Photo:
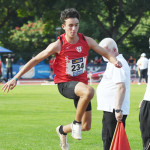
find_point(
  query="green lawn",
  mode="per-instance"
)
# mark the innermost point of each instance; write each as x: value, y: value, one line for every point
x: 30, y: 114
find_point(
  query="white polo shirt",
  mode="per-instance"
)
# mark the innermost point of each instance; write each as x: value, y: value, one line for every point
x: 107, y: 89
x: 147, y: 92
x: 148, y: 73
x: 142, y: 63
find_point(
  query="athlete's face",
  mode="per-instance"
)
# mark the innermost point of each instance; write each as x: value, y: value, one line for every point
x: 71, y: 27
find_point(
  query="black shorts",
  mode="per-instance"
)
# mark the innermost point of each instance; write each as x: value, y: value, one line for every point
x: 67, y: 90
x: 144, y: 118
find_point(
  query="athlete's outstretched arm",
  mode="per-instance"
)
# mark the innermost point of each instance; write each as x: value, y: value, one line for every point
x: 100, y: 50
x: 51, y: 49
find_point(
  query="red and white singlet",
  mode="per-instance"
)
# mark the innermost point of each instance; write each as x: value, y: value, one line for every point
x: 70, y: 63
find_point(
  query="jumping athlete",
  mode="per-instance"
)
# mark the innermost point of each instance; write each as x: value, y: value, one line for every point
x: 71, y: 54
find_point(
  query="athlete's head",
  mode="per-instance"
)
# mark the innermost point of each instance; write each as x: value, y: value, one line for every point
x: 70, y: 22
x: 69, y: 13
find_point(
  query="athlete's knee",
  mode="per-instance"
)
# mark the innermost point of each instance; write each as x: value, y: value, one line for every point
x: 90, y: 92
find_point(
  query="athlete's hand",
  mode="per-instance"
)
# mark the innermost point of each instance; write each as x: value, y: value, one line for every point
x: 118, y: 64
x: 9, y: 85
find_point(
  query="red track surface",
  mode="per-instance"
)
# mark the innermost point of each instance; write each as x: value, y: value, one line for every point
x: 34, y: 82
x: 47, y: 82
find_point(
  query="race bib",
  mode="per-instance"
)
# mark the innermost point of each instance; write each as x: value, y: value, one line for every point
x: 76, y: 67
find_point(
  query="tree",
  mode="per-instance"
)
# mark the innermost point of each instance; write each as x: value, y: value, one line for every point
x: 118, y: 19
x: 29, y: 39
x: 138, y: 40
x: 13, y: 13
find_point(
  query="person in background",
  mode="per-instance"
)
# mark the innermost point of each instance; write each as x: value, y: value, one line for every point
x: 144, y: 115
x: 51, y: 61
x: 9, y: 62
x: 97, y: 60
x: 142, y: 65
x: 113, y: 93
x: 131, y: 62
x: 20, y: 61
x: 71, y: 54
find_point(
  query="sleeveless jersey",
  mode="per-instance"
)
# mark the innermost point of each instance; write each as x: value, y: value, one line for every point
x: 70, y: 63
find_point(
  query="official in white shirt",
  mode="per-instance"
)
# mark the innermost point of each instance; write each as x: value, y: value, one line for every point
x: 113, y: 93
x: 144, y: 115
x: 142, y: 65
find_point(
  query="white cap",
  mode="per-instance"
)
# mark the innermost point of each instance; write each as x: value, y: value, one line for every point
x: 143, y: 55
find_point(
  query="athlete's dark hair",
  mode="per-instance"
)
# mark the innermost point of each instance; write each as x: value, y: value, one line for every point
x: 69, y: 13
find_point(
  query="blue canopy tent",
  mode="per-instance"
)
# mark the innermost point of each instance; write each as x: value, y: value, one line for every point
x: 4, y: 50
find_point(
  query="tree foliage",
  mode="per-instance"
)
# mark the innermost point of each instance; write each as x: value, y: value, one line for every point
x: 126, y: 21
x: 31, y: 38
x: 119, y: 19
x: 11, y: 17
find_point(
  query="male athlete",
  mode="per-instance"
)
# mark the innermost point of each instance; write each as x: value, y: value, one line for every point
x: 71, y: 54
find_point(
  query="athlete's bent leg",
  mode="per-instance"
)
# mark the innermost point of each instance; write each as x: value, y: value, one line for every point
x: 85, y: 94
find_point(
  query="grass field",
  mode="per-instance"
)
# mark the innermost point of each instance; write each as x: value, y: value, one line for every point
x: 30, y: 114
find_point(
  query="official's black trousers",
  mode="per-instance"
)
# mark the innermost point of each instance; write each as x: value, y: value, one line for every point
x: 9, y: 71
x: 109, y: 124
x: 144, y: 118
x: 143, y: 74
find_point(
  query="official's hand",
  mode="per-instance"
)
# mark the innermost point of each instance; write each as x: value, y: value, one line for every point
x: 119, y: 116
x: 140, y: 104
x: 118, y: 64
x: 9, y: 85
